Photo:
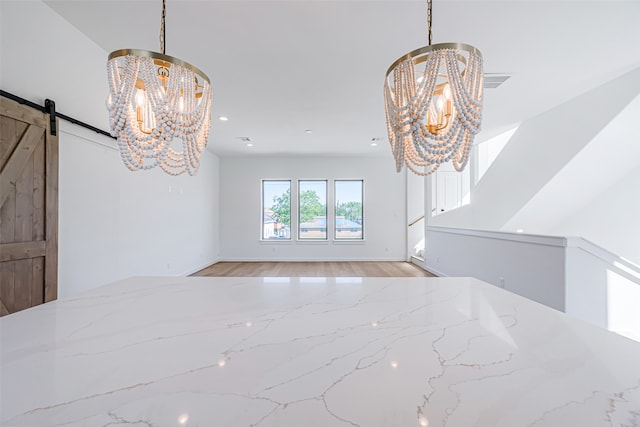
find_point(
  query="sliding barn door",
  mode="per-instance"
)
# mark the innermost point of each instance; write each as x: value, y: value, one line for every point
x: 28, y: 208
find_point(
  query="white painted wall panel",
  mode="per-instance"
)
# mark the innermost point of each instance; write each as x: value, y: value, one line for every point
x: 586, y: 292
x: 531, y: 266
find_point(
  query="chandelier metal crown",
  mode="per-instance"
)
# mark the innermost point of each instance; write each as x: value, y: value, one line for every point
x: 154, y: 98
x: 433, y: 104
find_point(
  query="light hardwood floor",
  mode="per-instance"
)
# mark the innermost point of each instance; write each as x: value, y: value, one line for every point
x: 314, y: 269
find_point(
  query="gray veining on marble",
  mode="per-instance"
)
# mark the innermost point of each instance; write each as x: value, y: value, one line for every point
x: 312, y: 352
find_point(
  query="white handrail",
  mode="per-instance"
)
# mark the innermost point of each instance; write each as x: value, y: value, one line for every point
x: 623, y: 266
x: 415, y: 221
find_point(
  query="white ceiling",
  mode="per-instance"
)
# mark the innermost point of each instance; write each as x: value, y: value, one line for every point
x: 280, y: 67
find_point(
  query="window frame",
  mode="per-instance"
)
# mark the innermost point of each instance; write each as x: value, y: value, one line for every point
x: 335, y: 210
x: 262, y: 200
x: 299, y: 237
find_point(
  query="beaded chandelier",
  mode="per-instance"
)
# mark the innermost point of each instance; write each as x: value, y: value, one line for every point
x: 433, y: 104
x: 154, y: 98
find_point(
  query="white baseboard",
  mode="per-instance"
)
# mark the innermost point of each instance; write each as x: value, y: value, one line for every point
x: 195, y: 270
x: 419, y: 262
x: 416, y: 260
x: 433, y: 271
x: 286, y: 259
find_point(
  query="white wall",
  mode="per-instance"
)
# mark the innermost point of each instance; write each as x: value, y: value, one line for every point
x: 602, y: 288
x: 611, y: 219
x: 586, y: 287
x: 531, y: 266
x: 415, y: 210
x: 415, y: 196
x: 569, y: 274
x: 43, y: 56
x: 542, y: 147
x: 594, y: 195
x: 241, y: 211
x: 485, y: 153
x: 113, y: 223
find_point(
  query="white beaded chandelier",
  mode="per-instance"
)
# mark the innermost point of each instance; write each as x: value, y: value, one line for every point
x: 154, y: 98
x: 433, y: 104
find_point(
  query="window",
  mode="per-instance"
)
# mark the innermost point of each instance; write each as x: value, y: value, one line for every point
x: 346, y: 217
x: 276, y: 210
x: 349, y: 213
x: 312, y: 209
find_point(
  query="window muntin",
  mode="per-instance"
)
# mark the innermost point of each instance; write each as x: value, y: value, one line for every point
x: 349, y: 211
x: 312, y: 209
x: 276, y: 210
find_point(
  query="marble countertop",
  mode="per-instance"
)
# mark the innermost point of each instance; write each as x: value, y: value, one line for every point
x: 312, y: 352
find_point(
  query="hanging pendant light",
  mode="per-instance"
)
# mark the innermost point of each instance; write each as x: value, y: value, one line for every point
x: 159, y: 108
x: 433, y: 104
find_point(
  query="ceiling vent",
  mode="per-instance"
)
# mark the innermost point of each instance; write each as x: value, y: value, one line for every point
x: 494, y: 80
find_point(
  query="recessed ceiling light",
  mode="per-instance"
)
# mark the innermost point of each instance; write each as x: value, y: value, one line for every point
x: 308, y: 131
x: 375, y: 140
x: 249, y: 145
x: 223, y: 118
x: 519, y: 230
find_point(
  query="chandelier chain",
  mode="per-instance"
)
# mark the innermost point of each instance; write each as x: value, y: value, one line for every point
x: 162, y: 25
x: 429, y: 18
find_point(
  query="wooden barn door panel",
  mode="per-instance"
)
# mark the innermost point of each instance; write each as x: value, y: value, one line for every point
x: 28, y: 208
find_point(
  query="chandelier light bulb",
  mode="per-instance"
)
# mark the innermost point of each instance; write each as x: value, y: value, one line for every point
x: 141, y: 98
x: 447, y: 92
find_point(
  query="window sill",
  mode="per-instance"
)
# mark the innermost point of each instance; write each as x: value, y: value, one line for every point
x: 275, y: 242
x: 348, y: 242
x: 312, y: 242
